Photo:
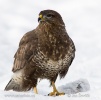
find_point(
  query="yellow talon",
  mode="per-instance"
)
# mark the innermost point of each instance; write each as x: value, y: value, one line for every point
x: 55, y: 92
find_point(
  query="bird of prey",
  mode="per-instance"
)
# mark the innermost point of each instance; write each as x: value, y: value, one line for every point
x: 43, y: 53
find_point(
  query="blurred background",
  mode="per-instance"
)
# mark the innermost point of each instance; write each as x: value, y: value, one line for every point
x: 83, y: 23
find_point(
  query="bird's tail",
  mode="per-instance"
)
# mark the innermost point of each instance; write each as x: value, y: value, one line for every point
x: 13, y: 85
x: 17, y: 83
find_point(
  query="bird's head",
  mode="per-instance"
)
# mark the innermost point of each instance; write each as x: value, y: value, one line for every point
x: 50, y: 16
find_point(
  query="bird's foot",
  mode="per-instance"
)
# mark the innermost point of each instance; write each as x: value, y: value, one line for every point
x: 56, y: 93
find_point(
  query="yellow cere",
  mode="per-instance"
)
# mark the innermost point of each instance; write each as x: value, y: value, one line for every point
x: 40, y: 16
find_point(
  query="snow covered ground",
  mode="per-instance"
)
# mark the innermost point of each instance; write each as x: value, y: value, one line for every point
x: 83, y: 24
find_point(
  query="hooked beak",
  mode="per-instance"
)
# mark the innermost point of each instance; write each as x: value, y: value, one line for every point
x: 41, y: 18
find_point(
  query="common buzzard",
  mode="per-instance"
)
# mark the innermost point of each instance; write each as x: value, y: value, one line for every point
x: 44, y: 53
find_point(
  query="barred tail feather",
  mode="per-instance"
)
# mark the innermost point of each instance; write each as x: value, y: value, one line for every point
x: 18, y: 83
x: 12, y: 85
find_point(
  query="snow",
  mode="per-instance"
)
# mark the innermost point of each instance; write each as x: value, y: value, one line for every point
x: 83, y: 24
x: 81, y: 85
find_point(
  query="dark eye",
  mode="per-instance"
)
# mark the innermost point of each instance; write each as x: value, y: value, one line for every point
x: 50, y: 15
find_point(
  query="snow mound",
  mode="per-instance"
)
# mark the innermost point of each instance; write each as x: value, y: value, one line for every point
x: 81, y: 85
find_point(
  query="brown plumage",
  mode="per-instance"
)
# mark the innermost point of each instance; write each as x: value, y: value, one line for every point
x: 44, y: 52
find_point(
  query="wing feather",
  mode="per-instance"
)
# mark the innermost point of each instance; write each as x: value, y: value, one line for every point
x: 27, y: 46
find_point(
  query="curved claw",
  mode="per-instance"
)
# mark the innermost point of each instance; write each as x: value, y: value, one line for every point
x: 56, y: 94
x: 55, y: 91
